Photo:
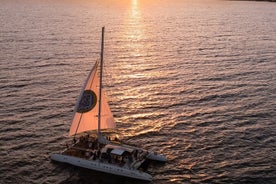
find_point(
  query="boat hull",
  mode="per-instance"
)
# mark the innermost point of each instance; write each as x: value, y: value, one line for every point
x: 102, y: 167
x: 151, y: 155
x: 156, y: 157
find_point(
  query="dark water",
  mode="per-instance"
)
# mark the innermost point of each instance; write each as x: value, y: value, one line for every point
x: 195, y: 80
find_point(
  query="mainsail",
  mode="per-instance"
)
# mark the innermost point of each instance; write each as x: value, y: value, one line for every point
x: 87, y: 108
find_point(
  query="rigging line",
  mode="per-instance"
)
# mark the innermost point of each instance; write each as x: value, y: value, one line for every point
x: 78, y: 126
x: 96, y: 66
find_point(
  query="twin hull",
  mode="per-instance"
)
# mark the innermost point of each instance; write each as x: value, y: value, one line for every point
x: 102, y: 167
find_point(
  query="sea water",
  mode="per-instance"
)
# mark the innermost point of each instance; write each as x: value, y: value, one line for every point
x: 194, y: 80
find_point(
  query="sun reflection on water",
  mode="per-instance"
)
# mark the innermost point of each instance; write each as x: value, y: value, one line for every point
x: 134, y: 8
x: 138, y: 64
x: 135, y: 31
x: 134, y: 38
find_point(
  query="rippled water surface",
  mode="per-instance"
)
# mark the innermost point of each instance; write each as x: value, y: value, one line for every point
x: 195, y: 80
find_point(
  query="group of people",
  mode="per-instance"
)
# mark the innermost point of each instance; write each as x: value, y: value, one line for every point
x: 90, y: 148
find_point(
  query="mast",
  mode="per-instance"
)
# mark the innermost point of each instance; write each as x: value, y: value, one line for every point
x: 101, y: 85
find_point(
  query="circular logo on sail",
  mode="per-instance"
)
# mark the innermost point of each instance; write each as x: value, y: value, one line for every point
x: 87, y: 102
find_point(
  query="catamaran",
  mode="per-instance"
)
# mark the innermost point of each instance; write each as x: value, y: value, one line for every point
x: 98, y: 152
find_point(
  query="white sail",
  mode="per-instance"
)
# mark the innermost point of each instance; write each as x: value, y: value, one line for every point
x: 87, y: 108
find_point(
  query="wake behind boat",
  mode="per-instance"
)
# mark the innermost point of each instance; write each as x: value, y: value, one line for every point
x: 97, y: 152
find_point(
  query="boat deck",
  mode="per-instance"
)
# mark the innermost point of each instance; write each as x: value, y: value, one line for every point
x: 90, y: 149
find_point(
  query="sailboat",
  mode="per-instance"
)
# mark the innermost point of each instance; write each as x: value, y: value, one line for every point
x: 96, y: 152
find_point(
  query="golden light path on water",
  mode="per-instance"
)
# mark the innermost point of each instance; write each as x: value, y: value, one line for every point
x: 133, y: 62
